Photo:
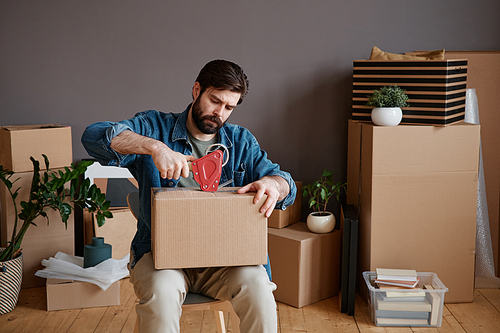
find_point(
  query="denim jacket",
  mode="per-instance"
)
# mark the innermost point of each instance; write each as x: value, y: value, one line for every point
x: 247, y: 162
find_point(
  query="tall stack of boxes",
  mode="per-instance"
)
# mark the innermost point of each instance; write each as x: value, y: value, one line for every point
x: 17, y: 144
x: 415, y: 186
x: 305, y: 266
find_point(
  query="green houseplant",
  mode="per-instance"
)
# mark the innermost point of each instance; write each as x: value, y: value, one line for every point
x: 387, y: 103
x: 49, y: 190
x: 320, y: 192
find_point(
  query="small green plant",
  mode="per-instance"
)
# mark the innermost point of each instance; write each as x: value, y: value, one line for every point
x: 49, y: 191
x: 388, y: 97
x: 321, y: 191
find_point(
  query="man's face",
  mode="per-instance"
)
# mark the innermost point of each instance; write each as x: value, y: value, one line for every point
x: 212, y: 109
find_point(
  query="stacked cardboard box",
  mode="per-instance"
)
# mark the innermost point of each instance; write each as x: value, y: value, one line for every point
x: 305, y: 266
x: 17, y: 144
x: 282, y: 218
x: 416, y: 190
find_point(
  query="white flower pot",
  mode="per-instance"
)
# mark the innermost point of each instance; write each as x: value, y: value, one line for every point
x: 321, y: 224
x: 387, y: 116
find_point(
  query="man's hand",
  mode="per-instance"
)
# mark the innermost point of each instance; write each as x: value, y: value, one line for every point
x: 275, y: 187
x: 171, y: 164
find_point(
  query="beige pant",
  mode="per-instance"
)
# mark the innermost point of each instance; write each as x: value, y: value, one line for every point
x: 162, y: 292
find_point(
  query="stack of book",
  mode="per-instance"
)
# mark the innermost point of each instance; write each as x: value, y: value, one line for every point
x: 406, y: 278
x: 403, y: 302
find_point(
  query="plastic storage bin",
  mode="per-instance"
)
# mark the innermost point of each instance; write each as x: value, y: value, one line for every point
x: 407, y: 307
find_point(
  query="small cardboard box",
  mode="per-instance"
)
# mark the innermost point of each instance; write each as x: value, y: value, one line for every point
x: 118, y: 231
x: 69, y: 294
x: 41, y: 241
x: 305, y: 266
x: 424, y: 309
x: 436, y: 88
x: 416, y: 189
x: 192, y: 228
x: 282, y: 218
x: 18, y: 143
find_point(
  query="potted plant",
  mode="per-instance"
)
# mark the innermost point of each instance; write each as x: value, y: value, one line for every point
x: 48, y: 191
x: 387, y: 103
x: 320, y: 192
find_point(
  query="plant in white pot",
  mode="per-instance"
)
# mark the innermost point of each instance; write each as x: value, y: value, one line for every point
x: 387, y: 103
x: 48, y: 191
x: 320, y: 192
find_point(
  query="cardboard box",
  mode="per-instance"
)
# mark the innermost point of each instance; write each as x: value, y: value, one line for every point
x: 416, y: 187
x: 436, y: 88
x: 484, y: 76
x: 282, y: 218
x: 41, y: 241
x: 191, y: 228
x: 305, y: 266
x: 118, y: 231
x: 69, y: 294
x: 18, y: 143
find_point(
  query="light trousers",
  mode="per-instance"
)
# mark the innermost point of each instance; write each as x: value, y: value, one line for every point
x: 161, y: 294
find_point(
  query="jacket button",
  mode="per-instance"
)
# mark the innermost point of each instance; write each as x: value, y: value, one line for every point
x: 171, y: 184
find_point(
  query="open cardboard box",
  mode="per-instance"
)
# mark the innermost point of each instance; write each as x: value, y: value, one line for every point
x: 69, y: 294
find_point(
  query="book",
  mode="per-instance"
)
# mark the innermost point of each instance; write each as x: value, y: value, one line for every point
x: 349, y: 226
x: 394, y: 292
x: 398, y: 283
x: 424, y: 305
x: 435, y: 301
x: 401, y: 321
x: 396, y: 274
x: 402, y: 314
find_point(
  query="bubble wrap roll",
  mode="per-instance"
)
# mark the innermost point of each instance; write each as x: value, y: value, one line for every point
x: 485, y: 266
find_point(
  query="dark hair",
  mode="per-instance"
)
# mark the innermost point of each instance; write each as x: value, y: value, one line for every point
x: 223, y: 75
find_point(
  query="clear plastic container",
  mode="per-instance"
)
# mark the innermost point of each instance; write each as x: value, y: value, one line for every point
x: 407, y: 307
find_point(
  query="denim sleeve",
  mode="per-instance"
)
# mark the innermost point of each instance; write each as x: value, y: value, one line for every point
x: 264, y: 167
x: 96, y: 140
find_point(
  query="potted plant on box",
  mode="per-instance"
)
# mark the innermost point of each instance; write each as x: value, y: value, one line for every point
x: 387, y: 102
x: 48, y: 191
x: 320, y: 192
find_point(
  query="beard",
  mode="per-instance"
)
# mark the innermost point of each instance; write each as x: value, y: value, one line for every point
x: 205, y: 123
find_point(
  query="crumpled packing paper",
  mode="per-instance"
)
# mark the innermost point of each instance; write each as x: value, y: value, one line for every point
x: 65, y: 266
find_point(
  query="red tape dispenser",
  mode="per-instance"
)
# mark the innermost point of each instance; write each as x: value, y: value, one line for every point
x: 207, y: 171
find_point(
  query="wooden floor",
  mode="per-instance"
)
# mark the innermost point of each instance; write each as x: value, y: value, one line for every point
x: 31, y: 316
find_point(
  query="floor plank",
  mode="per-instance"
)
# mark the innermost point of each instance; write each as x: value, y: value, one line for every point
x: 28, y: 299
x: 30, y: 315
x: 478, y: 316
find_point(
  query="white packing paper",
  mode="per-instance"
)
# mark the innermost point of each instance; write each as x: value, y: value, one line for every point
x: 64, y: 266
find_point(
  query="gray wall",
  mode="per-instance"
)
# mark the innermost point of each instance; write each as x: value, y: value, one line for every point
x: 78, y: 62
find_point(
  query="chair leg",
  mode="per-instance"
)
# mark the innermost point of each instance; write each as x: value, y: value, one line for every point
x: 136, y: 328
x: 219, y: 321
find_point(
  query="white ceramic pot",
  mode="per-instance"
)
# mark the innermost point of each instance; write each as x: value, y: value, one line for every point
x: 321, y: 224
x: 387, y: 116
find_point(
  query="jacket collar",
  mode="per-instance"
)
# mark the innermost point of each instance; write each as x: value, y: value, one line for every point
x: 180, y: 130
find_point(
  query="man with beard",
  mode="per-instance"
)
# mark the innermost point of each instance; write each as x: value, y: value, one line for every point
x: 156, y: 147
